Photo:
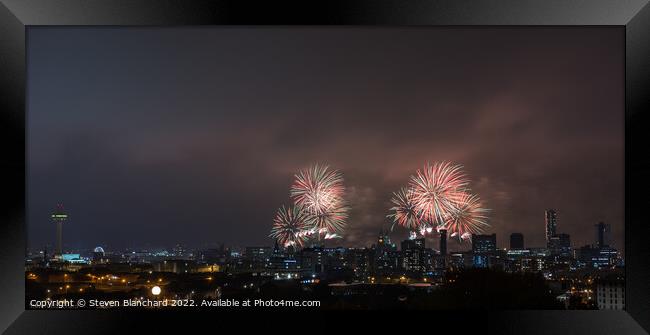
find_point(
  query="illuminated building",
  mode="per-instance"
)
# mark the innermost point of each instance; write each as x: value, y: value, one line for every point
x: 73, y: 258
x: 385, y: 259
x: 414, y: 255
x: 383, y: 241
x: 483, y: 246
x: 98, y: 255
x: 208, y: 268
x: 283, y: 265
x: 517, y: 253
x: 59, y: 217
x: 335, y: 258
x: 597, y: 257
x: 560, y: 245
x: 550, y: 224
x: 539, y: 252
x: 460, y: 260
x: 359, y: 261
x: 257, y: 257
x: 257, y: 253
x: 516, y: 241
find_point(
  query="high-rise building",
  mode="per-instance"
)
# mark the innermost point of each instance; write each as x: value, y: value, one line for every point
x: 59, y: 217
x: 560, y: 245
x: 443, y: 242
x: 384, y: 258
x: 484, y: 244
x: 516, y: 241
x: 359, y: 260
x: 483, y: 247
x: 550, y: 223
x: 603, y: 232
x: 414, y: 256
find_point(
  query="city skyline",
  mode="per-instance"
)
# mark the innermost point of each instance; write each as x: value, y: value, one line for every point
x: 557, y: 277
x: 434, y: 240
x: 536, y: 122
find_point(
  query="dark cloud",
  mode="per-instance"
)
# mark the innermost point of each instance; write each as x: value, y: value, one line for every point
x: 157, y: 136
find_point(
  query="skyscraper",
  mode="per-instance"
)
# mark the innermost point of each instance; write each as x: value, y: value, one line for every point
x: 550, y: 223
x: 58, y: 217
x: 384, y: 259
x: 516, y: 241
x: 443, y: 241
x: 603, y: 234
x: 560, y: 245
x: 413, y: 255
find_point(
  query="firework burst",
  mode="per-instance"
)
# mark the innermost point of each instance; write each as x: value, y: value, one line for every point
x: 435, y: 190
x: 290, y: 226
x: 404, y: 212
x: 330, y: 221
x: 467, y: 217
x: 318, y: 189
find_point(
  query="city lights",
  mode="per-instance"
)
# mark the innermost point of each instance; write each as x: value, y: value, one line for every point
x: 575, y: 278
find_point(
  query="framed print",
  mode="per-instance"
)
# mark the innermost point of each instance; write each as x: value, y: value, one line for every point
x: 467, y: 160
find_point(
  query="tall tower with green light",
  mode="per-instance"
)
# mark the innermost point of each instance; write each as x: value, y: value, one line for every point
x: 59, y: 217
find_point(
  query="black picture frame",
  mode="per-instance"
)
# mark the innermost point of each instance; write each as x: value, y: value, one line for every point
x: 634, y: 15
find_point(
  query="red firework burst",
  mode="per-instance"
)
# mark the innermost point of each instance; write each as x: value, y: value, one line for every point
x: 404, y: 212
x: 467, y: 217
x: 435, y: 189
x: 318, y: 189
x: 330, y: 221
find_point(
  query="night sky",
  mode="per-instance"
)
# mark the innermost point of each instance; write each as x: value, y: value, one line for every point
x: 153, y: 136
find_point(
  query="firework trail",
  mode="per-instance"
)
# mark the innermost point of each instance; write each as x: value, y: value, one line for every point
x: 404, y: 212
x: 467, y: 217
x: 435, y: 190
x: 318, y: 189
x: 332, y: 236
x: 290, y: 226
